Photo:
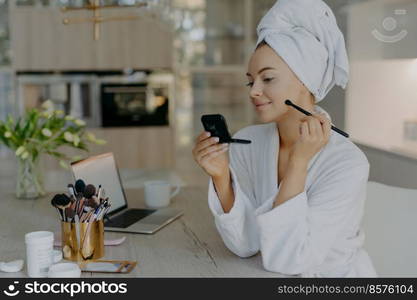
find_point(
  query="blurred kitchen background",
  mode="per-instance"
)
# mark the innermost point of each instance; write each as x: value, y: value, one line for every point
x: 143, y: 77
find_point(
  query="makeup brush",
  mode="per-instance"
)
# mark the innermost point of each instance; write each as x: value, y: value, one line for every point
x: 80, y: 207
x: 77, y: 230
x: 71, y: 190
x: 99, y: 193
x: 63, y: 202
x: 88, y: 211
x: 70, y: 213
x: 89, y: 191
x: 80, y: 187
x: 106, y: 206
x: 102, y: 194
x: 57, y: 208
x: 91, y: 202
x: 91, y: 219
x: 288, y: 102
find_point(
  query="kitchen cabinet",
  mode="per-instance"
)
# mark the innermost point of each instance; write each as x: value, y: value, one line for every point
x: 41, y: 42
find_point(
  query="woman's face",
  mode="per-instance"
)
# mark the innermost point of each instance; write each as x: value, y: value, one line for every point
x: 272, y: 82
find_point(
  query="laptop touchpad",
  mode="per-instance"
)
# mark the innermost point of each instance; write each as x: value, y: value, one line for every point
x: 128, y: 218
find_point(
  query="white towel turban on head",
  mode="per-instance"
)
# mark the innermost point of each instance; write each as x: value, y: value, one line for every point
x: 304, y: 33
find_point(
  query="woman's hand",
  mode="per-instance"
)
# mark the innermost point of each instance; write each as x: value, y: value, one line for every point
x: 315, y: 134
x: 211, y: 156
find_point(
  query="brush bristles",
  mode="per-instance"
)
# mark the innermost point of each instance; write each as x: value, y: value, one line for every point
x: 90, y: 191
x: 80, y: 186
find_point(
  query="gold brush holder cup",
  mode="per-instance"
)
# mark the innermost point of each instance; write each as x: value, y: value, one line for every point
x: 91, y: 243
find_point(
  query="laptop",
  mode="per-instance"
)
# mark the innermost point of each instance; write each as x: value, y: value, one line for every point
x: 102, y: 170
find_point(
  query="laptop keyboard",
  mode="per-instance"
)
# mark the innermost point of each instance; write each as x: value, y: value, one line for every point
x: 128, y: 218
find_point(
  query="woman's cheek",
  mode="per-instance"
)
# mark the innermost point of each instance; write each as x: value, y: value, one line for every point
x: 276, y: 92
x: 279, y: 107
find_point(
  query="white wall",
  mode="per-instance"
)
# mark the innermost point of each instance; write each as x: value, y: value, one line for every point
x: 382, y: 92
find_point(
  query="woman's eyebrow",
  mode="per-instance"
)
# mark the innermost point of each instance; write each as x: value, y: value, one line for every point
x: 262, y: 70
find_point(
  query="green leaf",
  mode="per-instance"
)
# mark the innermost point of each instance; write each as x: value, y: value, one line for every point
x: 33, y: 124
x: 76, y: 158
x: 35, y: 153
x: 5, y: 140
x: 82, y: 146
x: 25, y: 130
x: 64, y: 164
x: 10, y: 120
x: 100, y: 142
x: 56, y: 154
x: 17, y: 126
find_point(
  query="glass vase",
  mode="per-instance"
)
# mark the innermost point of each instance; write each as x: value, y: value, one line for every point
x: 29, y: 183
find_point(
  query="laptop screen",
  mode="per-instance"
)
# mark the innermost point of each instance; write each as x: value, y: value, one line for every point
x: 102, y: 170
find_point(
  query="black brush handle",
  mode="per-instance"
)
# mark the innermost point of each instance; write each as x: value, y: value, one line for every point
x: 288, y: 102
x: 239, y: 141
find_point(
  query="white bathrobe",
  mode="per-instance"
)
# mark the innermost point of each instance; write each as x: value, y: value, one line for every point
x: 314, y: 234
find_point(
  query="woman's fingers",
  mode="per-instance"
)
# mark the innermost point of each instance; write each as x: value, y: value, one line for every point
x: 319, y: 127
x: 202, y: 136
x: 206, y: 143
x: 322, y: 118
x: 304, y: 129
x: 211, y: 149
x: 203, y: 140
x: 326, y: 125
x: 314, y: 127
x: 213, y: 154
x: 210, y: 155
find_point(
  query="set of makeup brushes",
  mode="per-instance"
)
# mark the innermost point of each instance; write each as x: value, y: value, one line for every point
x: 83, y: 203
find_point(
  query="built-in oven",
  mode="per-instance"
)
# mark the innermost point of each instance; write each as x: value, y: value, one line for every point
x: 133, y: 104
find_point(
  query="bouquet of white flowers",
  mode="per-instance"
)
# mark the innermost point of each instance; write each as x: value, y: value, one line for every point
x: 39, y: 132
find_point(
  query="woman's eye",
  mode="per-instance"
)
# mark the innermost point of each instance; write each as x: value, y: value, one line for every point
x: 269, y: 79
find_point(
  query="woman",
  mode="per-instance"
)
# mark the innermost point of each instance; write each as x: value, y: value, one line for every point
x: 297, y: 193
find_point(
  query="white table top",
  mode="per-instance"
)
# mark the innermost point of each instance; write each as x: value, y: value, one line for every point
x: 188, y: 247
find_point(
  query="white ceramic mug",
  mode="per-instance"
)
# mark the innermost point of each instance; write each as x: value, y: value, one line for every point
x: 158, y: 193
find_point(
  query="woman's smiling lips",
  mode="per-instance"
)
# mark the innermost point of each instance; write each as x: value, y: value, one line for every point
x: 260, y: 105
